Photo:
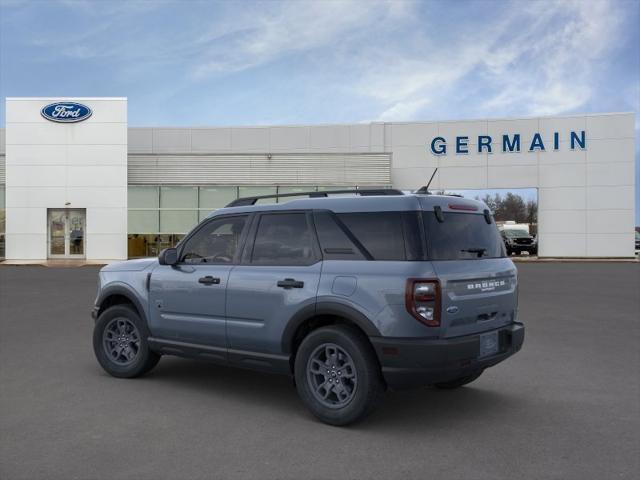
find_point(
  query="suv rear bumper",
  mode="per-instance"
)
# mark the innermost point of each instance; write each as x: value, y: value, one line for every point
x: 418, y: 362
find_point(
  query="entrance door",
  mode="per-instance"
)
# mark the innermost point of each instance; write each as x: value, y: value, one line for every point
x: 66, y: 237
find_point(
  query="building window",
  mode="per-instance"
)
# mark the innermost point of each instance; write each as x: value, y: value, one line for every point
x: 143, y: 221
x: 143, y: 197
x: 211, y: 198
x: 177, y: 221
x: 179, y: 197
x: 258, y: 191
x: 140, y: 245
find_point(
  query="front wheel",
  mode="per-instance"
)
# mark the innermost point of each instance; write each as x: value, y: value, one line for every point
x: 120, y: 343
x: 337, y: 375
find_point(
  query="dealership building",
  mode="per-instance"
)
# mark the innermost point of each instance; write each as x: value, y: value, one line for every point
x: 77, y: 182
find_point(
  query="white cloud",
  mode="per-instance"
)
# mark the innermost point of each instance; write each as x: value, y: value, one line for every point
x: 549, y: 67
x: 405, y: 60
x: 539, y: 59
x: 272, y: 33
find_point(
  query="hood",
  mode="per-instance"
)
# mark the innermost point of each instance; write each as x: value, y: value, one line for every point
x: 130, y: 265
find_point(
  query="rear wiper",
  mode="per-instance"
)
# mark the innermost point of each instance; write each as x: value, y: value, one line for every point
x: 479, y: 251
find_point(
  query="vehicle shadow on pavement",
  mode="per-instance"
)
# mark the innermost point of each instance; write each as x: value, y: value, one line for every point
x: 421, y: 407
x: 433, y: 408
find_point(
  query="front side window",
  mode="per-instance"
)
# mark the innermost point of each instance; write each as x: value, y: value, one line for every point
x: 217, y: 242
x: 462, y: 236
x: 283, y: 239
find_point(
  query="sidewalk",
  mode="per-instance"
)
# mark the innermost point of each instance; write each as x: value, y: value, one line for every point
x: 59, y: 263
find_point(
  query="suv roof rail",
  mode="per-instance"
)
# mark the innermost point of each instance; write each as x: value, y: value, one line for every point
x: 246, y: 201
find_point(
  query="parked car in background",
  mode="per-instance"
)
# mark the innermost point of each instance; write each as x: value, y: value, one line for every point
x: 518, y: 241
x: 637, y: 241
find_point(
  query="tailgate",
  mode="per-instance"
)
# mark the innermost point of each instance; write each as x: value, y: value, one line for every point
x: 477, y: 295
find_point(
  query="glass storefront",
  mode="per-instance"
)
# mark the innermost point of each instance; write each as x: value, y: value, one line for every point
x: 141, y: 245
x: 160, y: 216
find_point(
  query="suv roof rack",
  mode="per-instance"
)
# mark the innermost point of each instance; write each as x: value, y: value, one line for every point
x: 246, y: 201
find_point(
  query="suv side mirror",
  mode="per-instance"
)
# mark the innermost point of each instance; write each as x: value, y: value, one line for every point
x: 168, y: 256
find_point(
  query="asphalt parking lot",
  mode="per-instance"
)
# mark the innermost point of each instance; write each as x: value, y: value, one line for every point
x: 567, y: 406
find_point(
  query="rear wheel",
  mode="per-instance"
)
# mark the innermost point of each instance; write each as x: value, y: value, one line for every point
x: 458, y: 382
x: 337, y: 375
x: 120, y: 343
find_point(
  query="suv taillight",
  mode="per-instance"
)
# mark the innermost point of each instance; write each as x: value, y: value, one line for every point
x: 422, y: 299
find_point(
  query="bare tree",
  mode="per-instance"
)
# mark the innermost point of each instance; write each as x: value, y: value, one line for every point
x: 532, y: 212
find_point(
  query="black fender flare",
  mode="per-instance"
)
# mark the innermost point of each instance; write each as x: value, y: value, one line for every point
x: 125, y: 291
x: 326, y: 308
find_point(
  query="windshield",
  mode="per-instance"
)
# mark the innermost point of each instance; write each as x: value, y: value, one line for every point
x: 516, y: 233
x: 462, y: 236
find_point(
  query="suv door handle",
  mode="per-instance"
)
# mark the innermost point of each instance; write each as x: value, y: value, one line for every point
x: 290, y: 283
x: 209, y: 280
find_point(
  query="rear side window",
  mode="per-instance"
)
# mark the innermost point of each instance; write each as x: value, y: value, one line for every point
x: 283, y: 239
x: 335, y: 240
x: 381, y: 233
x: 462, y: 236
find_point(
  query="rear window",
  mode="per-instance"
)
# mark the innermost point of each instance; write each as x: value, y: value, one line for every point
x: 462, y: 236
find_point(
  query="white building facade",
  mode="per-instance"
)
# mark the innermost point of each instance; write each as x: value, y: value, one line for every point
x: 77, y: 182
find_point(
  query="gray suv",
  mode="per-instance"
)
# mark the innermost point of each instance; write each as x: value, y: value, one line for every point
x: 347, y: 295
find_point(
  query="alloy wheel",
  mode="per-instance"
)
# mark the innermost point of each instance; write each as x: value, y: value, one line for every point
x: 121, y: 341
x: 331, y: 374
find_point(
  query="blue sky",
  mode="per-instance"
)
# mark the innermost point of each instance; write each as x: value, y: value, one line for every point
x: 193, y: 63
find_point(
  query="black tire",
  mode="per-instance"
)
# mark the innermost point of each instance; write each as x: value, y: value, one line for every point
x: 362, y: 384
x: 458, y: 382
x: 138, y: 359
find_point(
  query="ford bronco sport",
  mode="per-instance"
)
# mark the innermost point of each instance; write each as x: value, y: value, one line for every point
x: 348, y: 295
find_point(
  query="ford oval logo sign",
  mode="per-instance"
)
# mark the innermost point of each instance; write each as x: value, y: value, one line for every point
x: 66, y: 112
